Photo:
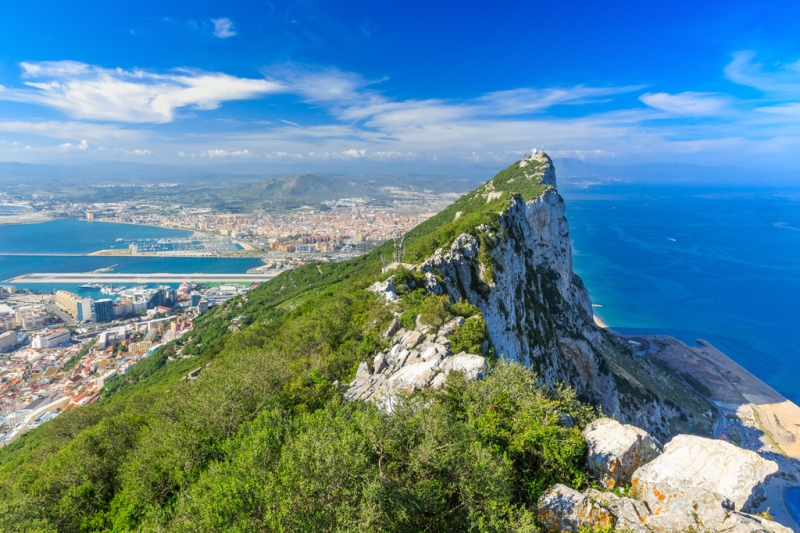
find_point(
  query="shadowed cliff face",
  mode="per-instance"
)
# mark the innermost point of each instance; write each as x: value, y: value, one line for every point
x: 538, y: 313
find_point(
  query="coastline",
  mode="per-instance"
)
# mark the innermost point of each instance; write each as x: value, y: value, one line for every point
x: 764, y: 420
x: 599, y: 321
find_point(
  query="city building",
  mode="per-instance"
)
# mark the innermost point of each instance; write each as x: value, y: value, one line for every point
x: 104, y: 310
x: 85, y: 308
x: 32, y: 317
x: 68, y: 302
x: 51, y: 339
x: 7, y: 340
x: 7, y: 321
x: 139, y: 347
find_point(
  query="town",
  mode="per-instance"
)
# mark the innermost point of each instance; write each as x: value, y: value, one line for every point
x: 336, y: 229
x: 57, y: 351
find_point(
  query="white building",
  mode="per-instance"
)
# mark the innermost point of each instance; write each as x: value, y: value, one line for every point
x: 7, y: 340
x: 51, y: 339
x: 86, y: 310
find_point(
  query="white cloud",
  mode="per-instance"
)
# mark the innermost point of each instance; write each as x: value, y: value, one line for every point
x: 223, y: 28
x: 688, y: 103
x: 784, y: 79
x: 221, y: 153
x: 527, y: 100
x: 83, y: 145
x: 94, y: 93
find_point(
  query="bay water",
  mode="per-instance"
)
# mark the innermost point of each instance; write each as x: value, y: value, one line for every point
x: 80, y: 237
x: 720, y: 264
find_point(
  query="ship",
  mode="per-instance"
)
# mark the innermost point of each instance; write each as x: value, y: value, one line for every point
x: 91, y: 287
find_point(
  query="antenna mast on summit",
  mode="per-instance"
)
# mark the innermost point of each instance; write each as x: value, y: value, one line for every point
x: 398, y: 248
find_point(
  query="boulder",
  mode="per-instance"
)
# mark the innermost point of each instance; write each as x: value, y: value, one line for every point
x: 686, y: 508
x: 617, y: 450
x: 629, y: 515
x: 386, y: 289
x: 712, y: 465
x: 411, y: 338
x: 564, y: 509
x: 472, y: 366
x: 393, y: 328
x: 678, y: 511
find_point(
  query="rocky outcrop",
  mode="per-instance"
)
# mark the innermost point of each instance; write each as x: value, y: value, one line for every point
x: 417, y: 360
x: 697, y: 484
x: 564, y: 509
x: 616, y: 451
x: 711, y: 465
x: 538, y: 312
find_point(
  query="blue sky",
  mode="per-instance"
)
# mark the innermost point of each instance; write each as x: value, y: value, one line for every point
x: 400, y: 85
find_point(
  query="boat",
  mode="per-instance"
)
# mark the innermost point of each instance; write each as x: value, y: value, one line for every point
x: 110, y: 289
x: 91, y: 287
x: 106, y: 269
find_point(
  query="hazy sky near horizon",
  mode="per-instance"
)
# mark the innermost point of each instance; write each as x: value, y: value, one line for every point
x: 400, y: 84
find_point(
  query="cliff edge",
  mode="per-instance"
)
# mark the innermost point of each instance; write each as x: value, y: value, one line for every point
x: 505, y: 249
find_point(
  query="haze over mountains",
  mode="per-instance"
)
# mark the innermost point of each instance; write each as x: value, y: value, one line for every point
x: 439, y: 179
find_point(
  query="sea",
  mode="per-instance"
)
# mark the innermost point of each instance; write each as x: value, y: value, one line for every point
x: 719, y: 264
x: 83, y: 237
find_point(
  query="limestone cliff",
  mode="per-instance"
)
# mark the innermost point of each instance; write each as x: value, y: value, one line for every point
x: 517, y: 269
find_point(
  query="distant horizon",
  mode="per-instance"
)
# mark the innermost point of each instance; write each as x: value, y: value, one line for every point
x: 566, y: 168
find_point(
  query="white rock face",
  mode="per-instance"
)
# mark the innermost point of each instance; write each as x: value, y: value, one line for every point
x: 711, y: 465
x: 537, y: 311
x: 413, y: 363
x: 617, y: 450
x: 386, y: 289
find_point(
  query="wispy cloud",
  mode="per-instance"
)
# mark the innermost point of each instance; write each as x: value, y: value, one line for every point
x: 88, y: 92
x: 223, y: 28
x: 688, y: 103
x: 782, y: 80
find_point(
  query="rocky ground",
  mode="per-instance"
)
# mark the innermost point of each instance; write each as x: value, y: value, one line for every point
x: 751, y: 413
x: 694, y: 484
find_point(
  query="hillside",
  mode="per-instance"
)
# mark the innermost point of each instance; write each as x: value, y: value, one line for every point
x: 266, y: 440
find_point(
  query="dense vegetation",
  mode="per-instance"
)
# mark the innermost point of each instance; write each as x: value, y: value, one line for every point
x: 263, y: 441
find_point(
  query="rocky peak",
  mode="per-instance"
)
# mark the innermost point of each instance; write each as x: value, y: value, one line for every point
x: 505, y: 248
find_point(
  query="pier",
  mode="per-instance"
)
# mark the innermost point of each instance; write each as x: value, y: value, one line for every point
x: 117, y: 278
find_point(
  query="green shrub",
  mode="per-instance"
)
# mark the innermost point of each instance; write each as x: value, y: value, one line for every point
x: 434, y: 310
x: 464, y: 308
x: 469, y: 336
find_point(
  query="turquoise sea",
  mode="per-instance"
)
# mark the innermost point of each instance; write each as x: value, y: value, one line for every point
x: 80, y: 237
x: 793, y: 502
x: 697, y: 262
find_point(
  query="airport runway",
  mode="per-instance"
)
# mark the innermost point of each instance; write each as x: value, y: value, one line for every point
x: 111, y: 278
